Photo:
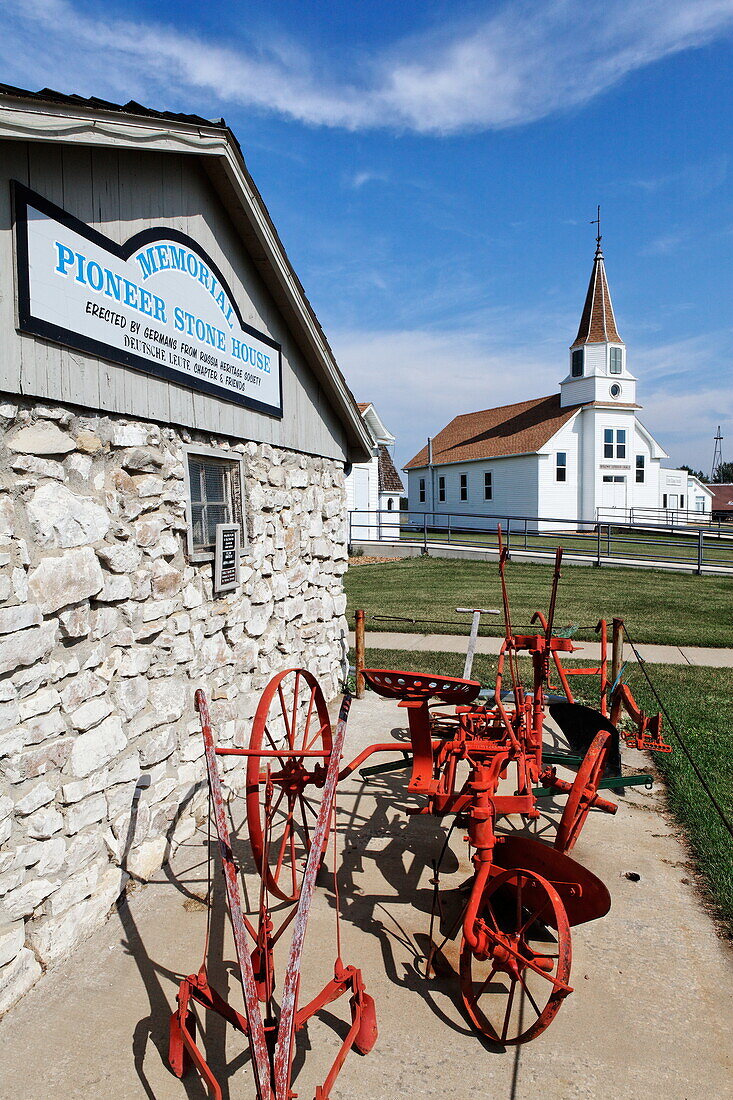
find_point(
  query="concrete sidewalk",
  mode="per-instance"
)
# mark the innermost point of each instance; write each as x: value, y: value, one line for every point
x: 649, y: 1015
x: 590, y: 651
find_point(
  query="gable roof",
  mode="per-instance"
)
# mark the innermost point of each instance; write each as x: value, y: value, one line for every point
x: 54, y: 116
x: 722, y: 496
x: 597, y: 323
x: 389, y: 480
x: 492, y: 433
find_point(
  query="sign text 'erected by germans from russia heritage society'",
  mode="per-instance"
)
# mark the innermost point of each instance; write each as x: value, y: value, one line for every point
x: 157, y: 303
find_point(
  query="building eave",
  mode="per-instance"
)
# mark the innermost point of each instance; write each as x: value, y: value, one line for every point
x: 29, y: 119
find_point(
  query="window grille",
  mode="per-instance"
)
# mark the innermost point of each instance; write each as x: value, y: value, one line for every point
x: 488, y: 485
x: 576, y: 363
x: 561, y: 466
x: 441, y: 489
x: 640, y: 463
x: 215, y: 489
x: 421, y: 491
x: 615, y: 361
x: 464, y: 487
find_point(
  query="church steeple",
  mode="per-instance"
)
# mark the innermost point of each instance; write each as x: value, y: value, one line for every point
x: 597, y: 323
x: 598, y: 371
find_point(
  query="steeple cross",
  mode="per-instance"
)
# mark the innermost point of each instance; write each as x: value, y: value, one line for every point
x: 597, y: 221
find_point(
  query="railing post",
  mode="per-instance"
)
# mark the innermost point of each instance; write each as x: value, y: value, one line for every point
x: 359, y: 631
x: 617, y: 652
x: 598, y: 551
x: 449, y: 527
x: 700, y: 537
x: 425, y: 533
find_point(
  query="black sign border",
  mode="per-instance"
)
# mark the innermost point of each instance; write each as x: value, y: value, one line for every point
x: 23, y: 197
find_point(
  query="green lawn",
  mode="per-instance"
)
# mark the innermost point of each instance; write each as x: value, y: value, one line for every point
x: 700, y: 703
x: 662, y: 607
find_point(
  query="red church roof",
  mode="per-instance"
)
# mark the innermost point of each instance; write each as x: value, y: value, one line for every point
x: 597, y: 323
x: 492, y: 433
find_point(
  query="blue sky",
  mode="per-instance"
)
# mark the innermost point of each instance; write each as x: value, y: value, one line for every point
x: 433, y: 168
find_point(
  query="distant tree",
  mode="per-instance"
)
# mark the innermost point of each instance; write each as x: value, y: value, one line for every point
x: 695, y: 473
x: 724, y: 473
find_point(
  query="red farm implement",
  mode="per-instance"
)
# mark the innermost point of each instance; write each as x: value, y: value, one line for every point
x: 480, y: 763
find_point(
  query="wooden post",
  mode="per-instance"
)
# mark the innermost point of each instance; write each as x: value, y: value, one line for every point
x: 617, y: 651
x: 359, y: 650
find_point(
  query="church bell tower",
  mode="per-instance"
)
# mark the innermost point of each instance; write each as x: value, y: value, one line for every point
x: 597, y: 366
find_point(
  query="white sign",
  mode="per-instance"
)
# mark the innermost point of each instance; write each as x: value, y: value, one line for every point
x: 226, y: 557
x: 157, y: 303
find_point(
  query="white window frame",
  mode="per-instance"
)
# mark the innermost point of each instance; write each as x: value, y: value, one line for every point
x: 463, y: 488
x: 421, y: 490
x: 221, y: 455
x: 488, y: 485
x: 612, y: 369
x: 441, y: 489
x: 561, y: 467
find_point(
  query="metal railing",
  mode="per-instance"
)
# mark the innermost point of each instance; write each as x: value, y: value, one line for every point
x: 702, y: 548
x: 659, y: 517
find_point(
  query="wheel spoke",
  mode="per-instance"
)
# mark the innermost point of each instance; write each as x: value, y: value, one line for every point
x: 508, y: 1012
x: 294, y: 725
x: 533, y: 1002
x: 484, y: 984
x: 284, y: 710
x: 275, y: 747
x: 308, y: 716
x: 534, y: 916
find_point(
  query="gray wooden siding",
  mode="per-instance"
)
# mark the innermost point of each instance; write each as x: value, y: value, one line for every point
x: 121, y: 192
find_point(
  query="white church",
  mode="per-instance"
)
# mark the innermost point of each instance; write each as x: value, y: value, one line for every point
x: 578, y: 455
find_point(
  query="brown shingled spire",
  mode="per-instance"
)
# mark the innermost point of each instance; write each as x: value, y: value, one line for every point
x: 598, y: 323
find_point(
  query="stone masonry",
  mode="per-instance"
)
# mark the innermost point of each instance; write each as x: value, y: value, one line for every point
x: 106, y: 630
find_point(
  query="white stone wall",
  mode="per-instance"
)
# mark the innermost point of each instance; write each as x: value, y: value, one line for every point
x: 105, y: 633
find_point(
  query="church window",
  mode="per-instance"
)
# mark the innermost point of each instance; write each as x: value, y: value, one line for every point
x: 441, y: 489
x: 421, y: 491
x: 640, y: 462
x: 464, y: 487
x: 608, y: 443
x: 664, y: 500
x: 682, y: 502
x: 620, y: 443
x: 390, y: 503
x: 576, y: 363
x: 488, y: 485
x: 615, y: 390
x: 561, y: 466
x: 615, y: 362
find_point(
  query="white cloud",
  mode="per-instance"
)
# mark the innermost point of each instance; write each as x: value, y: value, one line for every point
x: 519, y: 63
x: 359, y: 179
x: 420, y: 379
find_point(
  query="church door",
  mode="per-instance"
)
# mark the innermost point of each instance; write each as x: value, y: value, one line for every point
x: 613, y: 496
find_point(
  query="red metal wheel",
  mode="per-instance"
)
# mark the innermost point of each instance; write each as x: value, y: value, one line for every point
x: 515, y: 977
x: 583, y: 792
x: 291, y: 734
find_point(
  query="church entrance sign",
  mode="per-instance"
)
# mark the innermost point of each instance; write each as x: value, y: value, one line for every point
x: 157, y: 303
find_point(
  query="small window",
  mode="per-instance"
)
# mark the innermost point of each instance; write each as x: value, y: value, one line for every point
x: 615, y: 361
x: 488, y: 485
x: 421, y: 491
x: 615, y: 390
x: 576, y: 363
x: 215, y: 495
x: 464, y: 487
x: 608, y: 443
x: 664, y: 500
x: 682, y: 502
x: 620, y: 443
x: 441, y: 489
x: 640, y: 462
x: 390, y: 504
x: 561, y: 466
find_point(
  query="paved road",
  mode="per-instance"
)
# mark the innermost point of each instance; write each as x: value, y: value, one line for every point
x: 456, y: 643
x: 649, y: 1016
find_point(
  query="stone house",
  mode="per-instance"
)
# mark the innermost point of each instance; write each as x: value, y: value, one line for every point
x: 164, y: 384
